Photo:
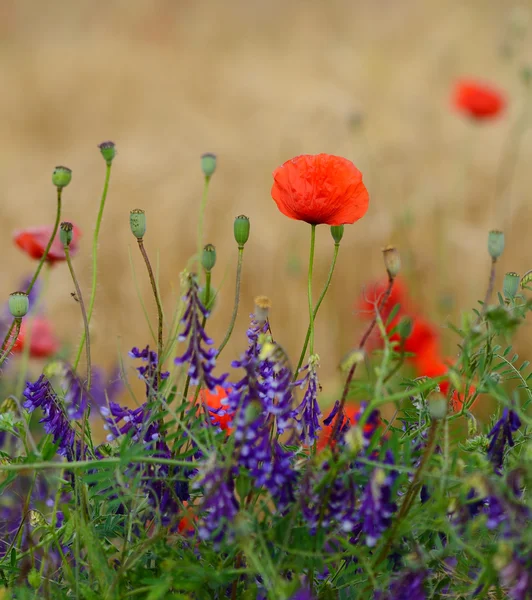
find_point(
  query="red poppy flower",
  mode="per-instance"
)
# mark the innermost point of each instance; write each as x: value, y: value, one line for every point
x: 478, y: 100
x: 43, y: 342
x: 34, y: 240
x: 220, y: 415
x: 351, y: 410
x: 186, y: 524
x: 319, y: 189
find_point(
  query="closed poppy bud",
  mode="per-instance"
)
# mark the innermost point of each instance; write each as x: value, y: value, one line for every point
x: 208, y: 257
x: 262, y: 308
x: 392, y: 261
x: 208, y: 163
x: 405, y: 327
x: 61, y: 177
x: 438, y: 407
x: 108, y: 150
x: 337, y: 232
x: 65, y: 233
x: 495, y: 243
x: 137, y: 222
x: 19, y: 304
x: 510, y: 285
x: 241, y: 229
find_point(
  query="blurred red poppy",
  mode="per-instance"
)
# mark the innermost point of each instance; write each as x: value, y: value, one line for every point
x: 220, y: 414
x: 320, y: 188
x: 351, y: 411
x: 34, y: 240
x: 43, y: 342
x: 478, y: 100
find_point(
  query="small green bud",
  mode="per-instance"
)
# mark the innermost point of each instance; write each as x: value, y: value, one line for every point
x: 208, y: 164
x: 510, y: 285
x: 241, y: 229
x: 65, y: 233
x: 337, y: 232
x: 19, y: 304
x: 438, y: 407
x: 404, y: 327
x: 61, y: 177
x: 495, y: 243
x: 34, y: 578
x: 253, y: 410
x: 108, y: 150
x: 137, y: 222
x: 392, y: 261
x: 208, y: 257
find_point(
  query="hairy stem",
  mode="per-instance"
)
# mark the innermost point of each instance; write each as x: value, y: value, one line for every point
x: 18, y: 323
x: 309, y: 289
x: 237, y: 300
x: 202, y: 215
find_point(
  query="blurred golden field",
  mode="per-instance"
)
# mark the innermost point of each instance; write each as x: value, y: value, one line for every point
x: 257, y: 83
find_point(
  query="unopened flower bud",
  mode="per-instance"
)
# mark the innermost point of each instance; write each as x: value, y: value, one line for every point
x: 61, y: 177
x: 392, y: 261
x: 65, y: 233
x: 253, y: 410
x: 208, y: 257
x: 495, y: 243
x: 404, y: 327
x: 262, y: 308
x: 241, y: 230
x: 438, y: 407
x: 19, y: 304
x: 34, y: 578
x: 137, y: 222
x: 208, y: 164
x: 108, y: 150
x: 510, y: 285
x: 337, y: 232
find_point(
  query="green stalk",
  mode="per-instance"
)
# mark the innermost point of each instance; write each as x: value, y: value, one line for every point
x: 202, y: 215
x: 317, y: 307
x: 94, y: 260
x: 310, y: 304
x: 18, y: 323
x: 237, y: 300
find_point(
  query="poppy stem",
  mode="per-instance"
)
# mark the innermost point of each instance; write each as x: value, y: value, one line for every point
x: 237, y: 299
x: 17, y: 324
x: 202, y: 215
x: 94, y: 259
x: 489, y: 291
x: 310, y: 303
x: 41, y: 262
x: 317, y: 307
x: 83, y: 314
x: 159, y: 311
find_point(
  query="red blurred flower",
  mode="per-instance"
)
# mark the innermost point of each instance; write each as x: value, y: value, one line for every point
x: 43, y: 342
x: 351, y: 411
x: 319, y: 189
x: 220, y: 415
x: 373, y: 294
x: 186, y: 524
x: 34, y: 240
x: 478, y: 100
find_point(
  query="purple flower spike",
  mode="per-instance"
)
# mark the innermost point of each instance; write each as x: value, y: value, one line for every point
x: 201, y: 359
x: 501, y: 435
x: 147, y: 372
x: 309, y: 410
x: 408, y: 586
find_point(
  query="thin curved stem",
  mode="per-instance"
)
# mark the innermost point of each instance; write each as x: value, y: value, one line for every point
x: 317, y: 307
x: 310, y: 303
x: 7, y: 351
x: 159, y: 311
x: 42, y: 260
x: 237, y: 300
x: 83, y: 314
x: 94, y: 259
x: 202, y: 215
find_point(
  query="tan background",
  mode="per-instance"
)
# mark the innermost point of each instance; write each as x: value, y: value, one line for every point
x: 258, y: 82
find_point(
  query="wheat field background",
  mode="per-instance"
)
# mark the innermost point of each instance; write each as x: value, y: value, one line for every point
x: 257, y: 83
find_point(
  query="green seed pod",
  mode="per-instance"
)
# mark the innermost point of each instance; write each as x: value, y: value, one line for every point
x: 495, y: 243
x: 510, y: 285
x: 19, y: 304
x: 137, y: 222
x: 241, y: 229
x: 208, y: 163
x: 438, y: 407
x: 337, y: 232
x: 65, y: 233
x: 392, y: 261
x: 208, y: 257
x: 61, y: 177
x: 34, y: 578
x: 108, y: 150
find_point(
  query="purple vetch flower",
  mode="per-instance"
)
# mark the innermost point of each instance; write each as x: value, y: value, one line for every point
x: 516, y: 576
x: 377, y: 507
x: 200, y: 357
x: 308, y: 412
x: 137, y: 422
x: 408, y: 586
x: 219, y: 503
x: 370, y: 426
x: 147, y: 372
x: 55, y: 422
x: 501, y: 435
x: 302, y: 594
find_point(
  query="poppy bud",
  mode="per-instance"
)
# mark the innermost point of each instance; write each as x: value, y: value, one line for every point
x: 438, y: 407
x: 392, y: 261
x: 19, y: 304
x: 404, y: 327
x: 34, y: 578
x: 108, y: 150
x: 495, y: 243
x: 241, y: 229
x: 208, y: 257
x: 262, y: 307
x: 61, y: 177
x: 337, y: 232
x: 510, y: 285
x: 137, y: 222
x: 65, y: 233
x: 208, y: 164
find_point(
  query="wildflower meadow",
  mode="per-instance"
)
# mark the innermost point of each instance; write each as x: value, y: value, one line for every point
x: 261, y: 481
